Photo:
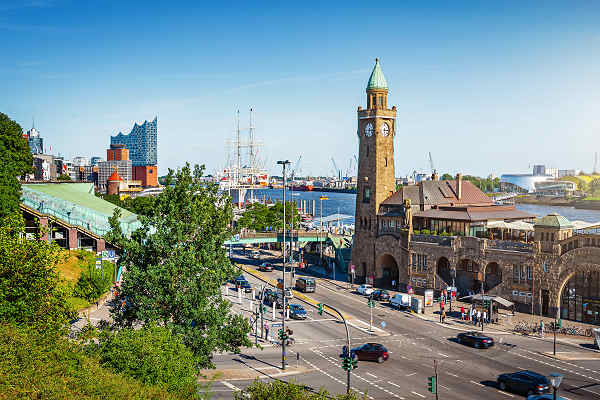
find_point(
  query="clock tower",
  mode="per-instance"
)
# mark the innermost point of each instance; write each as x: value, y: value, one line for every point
x: 376, y: 179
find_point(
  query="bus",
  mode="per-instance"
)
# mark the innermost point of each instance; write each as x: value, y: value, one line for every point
x: 306, y: 285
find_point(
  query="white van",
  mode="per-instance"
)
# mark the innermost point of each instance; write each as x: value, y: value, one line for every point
x: 401, y: 300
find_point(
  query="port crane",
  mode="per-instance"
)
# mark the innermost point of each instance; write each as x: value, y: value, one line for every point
x: 431, y: 164
x: 296, y: 170
x: 337, y: 171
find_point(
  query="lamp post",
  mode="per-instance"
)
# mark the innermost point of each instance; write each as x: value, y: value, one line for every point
x: 284, y: 299
x: 321, y: 228
x: 555, y: 380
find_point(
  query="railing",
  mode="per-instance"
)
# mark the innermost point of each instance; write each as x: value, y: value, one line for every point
x: 440, y: 240
x: 579, y: 240
x: 510, y: 246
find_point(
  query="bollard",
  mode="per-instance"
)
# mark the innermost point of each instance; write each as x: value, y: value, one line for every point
x: 253, y: 294
x: 287, y: 313
x: 239, y: 295
x: 274, y: 310
x: 297, y: 359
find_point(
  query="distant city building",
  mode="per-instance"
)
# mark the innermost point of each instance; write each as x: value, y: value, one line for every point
x: 106, y: 169
x: 568, y: 172
x: 555, y: 188
x: 142, y: 145
x: 540, y: 170
x: 36, y: 143
x: 522, y: 183
x: 44, y: 167
x: 81, y: 161
x: 95, y: 160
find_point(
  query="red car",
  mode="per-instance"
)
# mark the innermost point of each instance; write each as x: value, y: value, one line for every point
x: 370, y: 352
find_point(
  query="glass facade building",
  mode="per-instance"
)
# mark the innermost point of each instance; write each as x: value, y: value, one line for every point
x: 141, y: 142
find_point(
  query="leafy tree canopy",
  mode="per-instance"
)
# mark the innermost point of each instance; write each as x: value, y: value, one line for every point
x: 176, y: 264
x: 261, y: 217
x: 279, y: 390
x: 63, y: 177
x: 15, y: 161
x: 141, y: 205
x: 30, y: 289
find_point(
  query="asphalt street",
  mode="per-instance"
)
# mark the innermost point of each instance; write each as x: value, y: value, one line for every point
x: 414, y: 343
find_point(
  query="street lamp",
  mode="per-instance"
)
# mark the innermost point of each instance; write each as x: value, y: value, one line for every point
x: 321, y: 228
x: 555, y: 380
x: 283, y: 164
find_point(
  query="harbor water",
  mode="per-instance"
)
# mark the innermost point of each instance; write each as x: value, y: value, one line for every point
x: 345, y: 203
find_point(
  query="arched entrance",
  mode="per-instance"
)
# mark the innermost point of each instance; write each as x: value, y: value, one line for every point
x: 493, y: 275
x: 580, y: 298
x: 443, y: 270
x: 468, y: 277
x: 389, y: 271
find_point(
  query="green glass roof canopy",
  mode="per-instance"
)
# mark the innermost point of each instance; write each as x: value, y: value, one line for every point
x: 76, y: 204
x: 377, y: 80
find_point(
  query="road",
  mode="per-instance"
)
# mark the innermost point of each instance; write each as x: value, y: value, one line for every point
x: 414, y: 343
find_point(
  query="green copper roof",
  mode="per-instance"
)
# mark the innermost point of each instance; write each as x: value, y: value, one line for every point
x: 553, y: 221
x: 377, y: 80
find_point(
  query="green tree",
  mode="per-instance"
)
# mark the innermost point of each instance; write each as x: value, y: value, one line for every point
x: 31, y: 292
x: 63, y: 177
x: 280, y: 390
x: 15, y: 161
x: 261, y: 217
x: 176, y: 264
x: 447, y: 177
x: 153, y: 355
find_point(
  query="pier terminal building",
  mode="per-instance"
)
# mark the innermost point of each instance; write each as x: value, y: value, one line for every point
x: 439, y: 232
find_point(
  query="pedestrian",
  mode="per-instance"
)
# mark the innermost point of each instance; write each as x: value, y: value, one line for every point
x: 474, y: 316
x: 266, y: 330
x: 479, y: 316
x: 484, y: 318
x: 542, y: 328
x: 462, y: 313
x: 393, y: 284
x: 443, y: 316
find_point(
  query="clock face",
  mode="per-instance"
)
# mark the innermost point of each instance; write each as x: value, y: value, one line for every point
x: 385, y: 129
x: 369, y: 130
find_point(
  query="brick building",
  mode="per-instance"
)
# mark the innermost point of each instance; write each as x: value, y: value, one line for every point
x: 438, y: 233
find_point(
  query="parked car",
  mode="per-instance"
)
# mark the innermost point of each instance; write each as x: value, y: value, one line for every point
x: 546, y: 396
x: 297, y: 311
x: 365, y: 289
x: 524, y: 382
x: 370, y: 352
x: 401, y: 300
x: 267, y: 267
x: 475, y: 339
x: 255, y: 254
x: 380, y: 294
x: 306, y: 285
x: 245, y: 286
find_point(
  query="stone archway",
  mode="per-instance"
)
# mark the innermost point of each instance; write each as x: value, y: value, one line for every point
x: 389, y: 271
x: 493, y: 275
x: 574, y: 295
x: 443, y: 270
x: 468, y: 276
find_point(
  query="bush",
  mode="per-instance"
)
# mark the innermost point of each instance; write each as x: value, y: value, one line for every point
x: 35, y: 365
x: 93, y: 283
x: 416, y: 232
x: 153, y: 355
x: 279, y: 390
x: 425, y: 232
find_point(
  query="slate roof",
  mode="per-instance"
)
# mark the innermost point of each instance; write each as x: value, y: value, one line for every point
x: 439, y: 193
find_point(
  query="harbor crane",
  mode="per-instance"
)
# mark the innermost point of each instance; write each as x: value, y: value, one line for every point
x: 431, y: 164
x: 296, y: 170
x: 338, y: 172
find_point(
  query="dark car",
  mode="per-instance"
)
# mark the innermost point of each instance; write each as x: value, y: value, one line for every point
x: 297, y: 311
x: 475, y: 339
x: 370, y: 352
x: 380, y: 295
x: 245, y: 285
x: 269, y: 296
x: 525, y: 382
x: 267, y: 267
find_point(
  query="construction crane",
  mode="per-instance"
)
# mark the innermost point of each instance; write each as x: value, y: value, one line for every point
x: 349, y: 170
x: 338, y: 172
x: 431, y: 164
x: 296, y: 170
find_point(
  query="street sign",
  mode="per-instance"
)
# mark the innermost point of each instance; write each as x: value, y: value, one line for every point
x: 104, y: 254
x: 98, y: 263
x: 383, y: 324
x: 371, y: 303
x: 237, y: 237
x: 277, y: 324
x: 111, y: 254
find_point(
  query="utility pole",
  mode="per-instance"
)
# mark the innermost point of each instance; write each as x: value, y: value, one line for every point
x: 348, y: 363
x: 284, y: 299
x: 321, y: 228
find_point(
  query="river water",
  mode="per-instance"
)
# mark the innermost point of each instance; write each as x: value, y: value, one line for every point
x: 345, y: 203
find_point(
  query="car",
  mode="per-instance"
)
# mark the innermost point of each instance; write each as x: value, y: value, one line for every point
x: 525, y: 382
x: 269, y: 296
x: 380, y: 294
x: 245, y: 285
x: 401, y: 300
x: 475, y: 339
x: 267, y: 267
x: 297, y: 311
x: 546, y: 396
x: 370, y: 352
x: 365, y: 289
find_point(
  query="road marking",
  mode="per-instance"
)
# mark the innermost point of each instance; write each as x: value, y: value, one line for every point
x: 418, y: 394
x: 443, y: 355
x: 394, y: 384
x: 374, y: 376
x: 414, y: 373
x: 451, y: 374
x: 477, y: 383
x: 508, y: 394
x: 230, y: 386
x: 445, y: 387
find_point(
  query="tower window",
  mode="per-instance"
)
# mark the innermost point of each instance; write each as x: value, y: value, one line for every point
x: 385, y: 161
x: 367, y: 150
x: 367, y: 195
x: 380, y: 101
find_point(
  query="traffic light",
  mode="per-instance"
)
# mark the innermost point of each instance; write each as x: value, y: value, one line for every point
x: 320, y: 305
x: 282, y: 335
x: 354, y: 363
x: 349, y: 363
x: 431, y: 384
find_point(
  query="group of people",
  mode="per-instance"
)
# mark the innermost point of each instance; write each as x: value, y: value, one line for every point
x: 475, y: 315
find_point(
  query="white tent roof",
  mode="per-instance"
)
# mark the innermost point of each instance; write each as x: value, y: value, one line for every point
x: 585, y: 225
x: 332, y: 218
x: 517, y: 225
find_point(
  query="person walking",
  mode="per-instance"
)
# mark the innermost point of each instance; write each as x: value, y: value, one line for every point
x: 394, y: 284
x: 478, y: 315
x: 462, y: 313
x: 266, y: 330
x: 542, y: 328
x: 484, y: 319
x: 443, y: 316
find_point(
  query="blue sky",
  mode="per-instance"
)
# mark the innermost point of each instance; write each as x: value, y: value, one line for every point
x: 486, y: 88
